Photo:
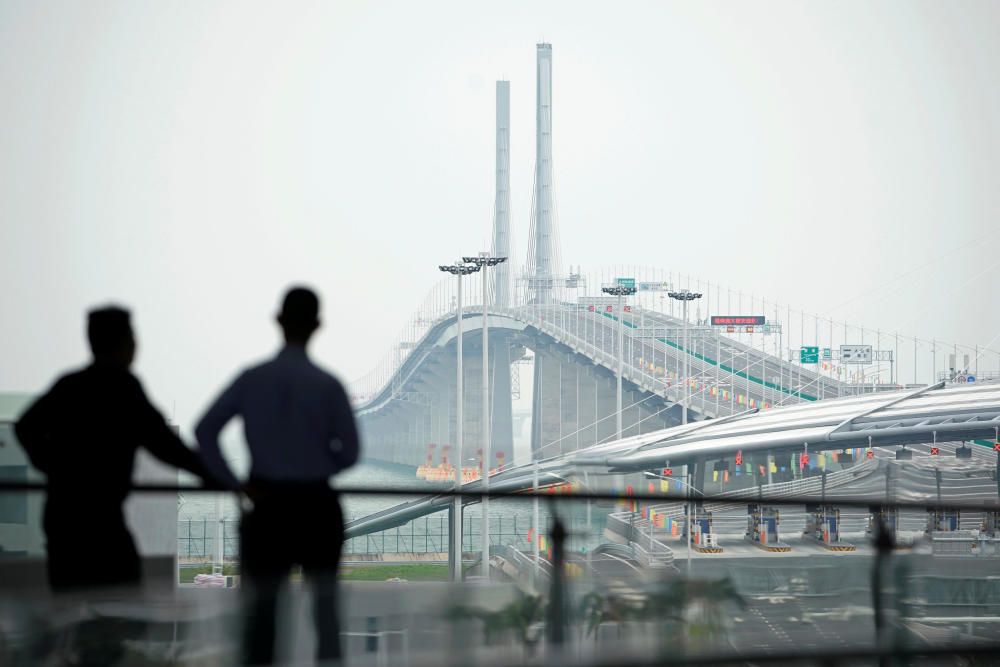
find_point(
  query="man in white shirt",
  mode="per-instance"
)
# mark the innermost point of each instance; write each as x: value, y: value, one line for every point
x: 300, y: 430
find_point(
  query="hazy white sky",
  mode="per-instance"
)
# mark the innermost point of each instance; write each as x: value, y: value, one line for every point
x: 191, y: 159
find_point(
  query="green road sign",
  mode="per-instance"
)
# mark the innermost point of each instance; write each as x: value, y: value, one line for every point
x: 809, y: 355
x: 626, y: 282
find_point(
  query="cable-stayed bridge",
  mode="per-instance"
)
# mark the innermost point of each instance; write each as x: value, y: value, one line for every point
x: 770, y: 391
x: 573, y: 338
x: 572, y: 342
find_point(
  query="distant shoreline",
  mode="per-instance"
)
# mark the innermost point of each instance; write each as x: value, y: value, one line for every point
x: 393, y: 467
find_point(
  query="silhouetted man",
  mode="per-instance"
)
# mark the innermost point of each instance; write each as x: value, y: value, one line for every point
x: 83, y: 434
x: 300, y: 429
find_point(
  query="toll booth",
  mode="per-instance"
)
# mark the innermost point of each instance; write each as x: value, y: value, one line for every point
x: 703, y: 537
x: 823, y: 526
x: 762, y: 528
x: 943, y: 520
x: 890, y: 515
x: 991, y: 524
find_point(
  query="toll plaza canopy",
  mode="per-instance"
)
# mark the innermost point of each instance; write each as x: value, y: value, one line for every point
x: 936, y: 412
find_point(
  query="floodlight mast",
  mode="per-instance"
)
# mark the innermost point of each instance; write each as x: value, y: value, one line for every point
x: 620, y: 291
x: 685, y: 296
x: 483, y: 260
x: 458, y: 269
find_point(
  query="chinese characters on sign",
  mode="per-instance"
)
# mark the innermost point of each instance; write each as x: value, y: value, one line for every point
x: 737, y: 320
x: 809, y: 355
x: 856, y: 354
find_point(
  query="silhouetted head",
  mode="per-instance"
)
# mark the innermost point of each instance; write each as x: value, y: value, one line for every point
x: 109, y: 331
x: 299, y: 316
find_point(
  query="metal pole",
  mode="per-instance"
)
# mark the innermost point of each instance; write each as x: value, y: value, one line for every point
x: 534, y: 523
x: 718, y: 370
x: 689, y: 519
x: 220, y: 553
x: 487, y: 454
x: 621, y: 355
x: 893, y: 369
x: 456, y: 516
x: 687, y: 371
x: 555, y: 625
x: 878, y: 364
x: 781, y: 357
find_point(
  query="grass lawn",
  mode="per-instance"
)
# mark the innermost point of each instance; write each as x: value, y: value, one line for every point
x: 408, y: 571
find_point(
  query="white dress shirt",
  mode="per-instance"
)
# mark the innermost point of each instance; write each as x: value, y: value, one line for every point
x: 297, y: 421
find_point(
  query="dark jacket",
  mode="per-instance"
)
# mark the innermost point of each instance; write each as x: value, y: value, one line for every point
x: 83, y: 434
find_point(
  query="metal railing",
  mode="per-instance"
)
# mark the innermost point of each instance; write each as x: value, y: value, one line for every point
x: 884, y: 593
x: 914, y: 360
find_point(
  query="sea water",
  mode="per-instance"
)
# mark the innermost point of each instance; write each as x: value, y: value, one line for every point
x: 510, y: 520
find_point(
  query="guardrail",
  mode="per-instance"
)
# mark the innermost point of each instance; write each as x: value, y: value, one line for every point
x: 659, y: 554
x: 738, y: 380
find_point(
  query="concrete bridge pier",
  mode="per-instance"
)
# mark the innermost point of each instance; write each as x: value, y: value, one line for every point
x: 501, y: 410
x: 574, y: 403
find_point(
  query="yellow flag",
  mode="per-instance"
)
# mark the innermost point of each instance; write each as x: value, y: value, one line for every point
x: 664, y: 485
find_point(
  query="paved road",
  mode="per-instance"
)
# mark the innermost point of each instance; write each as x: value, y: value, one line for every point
x: 654, y: 359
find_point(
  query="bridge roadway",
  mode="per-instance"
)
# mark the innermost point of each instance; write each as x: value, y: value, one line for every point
x: 655, y: 353
x: 935, y: 413
x: 743, y: 370
x: 576, y: 352
x: 712, y: 349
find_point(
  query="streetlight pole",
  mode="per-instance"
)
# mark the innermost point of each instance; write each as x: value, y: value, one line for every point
x: 620, y: 291
x: 482, y: 261
x: 458, y: 269
x: 684, y: 296
x: 689, y: 512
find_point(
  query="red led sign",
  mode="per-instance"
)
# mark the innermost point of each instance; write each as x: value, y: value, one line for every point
x: 737, y: 320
